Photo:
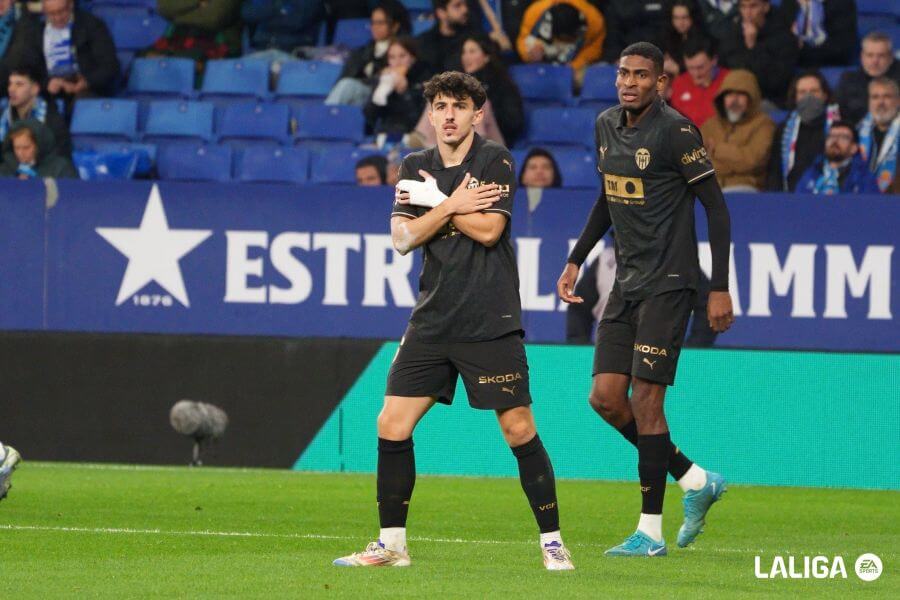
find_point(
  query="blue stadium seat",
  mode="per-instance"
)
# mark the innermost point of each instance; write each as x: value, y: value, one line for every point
x: 320, y: 122
x: 136, y: 32
x: 126, y: 57
x: 352, y: 33
x: 420, y: 26
x: 599, y: 86
x: 778, y: 115
x: 878, y: 7
x: 146, y: 153
x: 336, y: 164
x: 419, y: 5
x: 108, y: 12
x: 236, y: 78
x: 833, y: 75
x: 577, y: 168
x: 245, y: 124
x: 273, y: 165
x: 307, y: 79
x: 174, y: 119
x: 544, y: 84
x: 196, y: 162
x: 149, y: 5
x: 104, y: 119
x: 562, y: 126
x: 161, y: 77
x: 868, y: 23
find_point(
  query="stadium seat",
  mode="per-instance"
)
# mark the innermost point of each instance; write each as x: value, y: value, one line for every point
x: 877, y: 7
x: 779, y: 115
x: 833, y: 75
x: 108, y: 12
x: 420, y: 26
x: 544, y: 84
x: 336, y: 164
x: 125, y: 57
x: 562, y: 126
x: 599, y: 86
x: 577, y: 168
x: 320, y: 122
x: 196, y: 162
x: 146, y: 153
x: 245, y: 124
x: 104, y: 120
x: 273, y: 165
x: 352, y: 33
x: 306, y: 79
x: 161, y: 77
x: 173, y: 119
x: 136, y: 32
x: 232, y: 79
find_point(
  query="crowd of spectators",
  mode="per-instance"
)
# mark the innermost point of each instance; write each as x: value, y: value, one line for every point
x: 750, y: 74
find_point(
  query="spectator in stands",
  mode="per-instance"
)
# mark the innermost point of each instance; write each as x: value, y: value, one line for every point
x: 630, y: 21
x: 720, y: 17
x: 739, y: 137
x: 397, y: 101
x: 841, y: 170
x: 360, y: 73
x: 371, y: 170
x: 694, y: 92
x: 879, y: 129
x: 280, y: 26
x: 480, y: 59
x: 24, y: 102
x: 762, y: 43
x: 201, y: 29
x: 671, y: 69
x: 10, y: 12
x: 440, y: 46
x: 683, y: 21
x: 825, y: 31
x: 73, y: 49
x: 540, y: 170
x: 876, y: 60
x: 564, y: 32
x: 800, y: 139
x: 28, y: 154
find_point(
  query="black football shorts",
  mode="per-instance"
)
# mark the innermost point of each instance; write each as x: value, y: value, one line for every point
x: 643, y: 338
x: 495, y: 372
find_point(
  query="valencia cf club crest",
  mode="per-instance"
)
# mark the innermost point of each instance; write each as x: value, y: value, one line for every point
x: 642, y: 158
x: 473, y: 183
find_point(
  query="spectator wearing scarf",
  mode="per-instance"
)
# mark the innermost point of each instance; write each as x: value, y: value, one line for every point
x: 24, y: 102
x: 28, y: 153
x: 800, y: 139
x: 825, y: 30
x: 841, y: 170
x: 878, y: 131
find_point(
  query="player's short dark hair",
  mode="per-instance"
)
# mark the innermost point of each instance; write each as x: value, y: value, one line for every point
x: 847, y: 125
x: 26, y: 69
x: 646, y: 50
x: 792, y: 88
x: 565, y: 20
x: 457, y: 85
x: 697, y: 44
x: 374, y: 160
x: 557, y: 175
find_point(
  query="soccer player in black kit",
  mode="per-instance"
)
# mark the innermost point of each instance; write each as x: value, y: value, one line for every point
x: 455, y: 201
x: 653, y: 165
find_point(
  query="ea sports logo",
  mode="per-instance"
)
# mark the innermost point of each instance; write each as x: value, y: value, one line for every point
x: 868, y: 567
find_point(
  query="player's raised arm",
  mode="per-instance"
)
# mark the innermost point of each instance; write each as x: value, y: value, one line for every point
x: 597, y: 225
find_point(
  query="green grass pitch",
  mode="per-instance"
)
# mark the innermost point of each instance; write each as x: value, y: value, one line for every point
x: 84, y: 531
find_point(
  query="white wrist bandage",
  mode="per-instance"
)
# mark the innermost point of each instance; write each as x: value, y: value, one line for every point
x: 422, y: 193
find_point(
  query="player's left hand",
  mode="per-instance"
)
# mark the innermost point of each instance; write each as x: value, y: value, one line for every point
x: 719, y: 311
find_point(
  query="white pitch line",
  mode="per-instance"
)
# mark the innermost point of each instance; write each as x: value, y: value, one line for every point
x: 306, y: 536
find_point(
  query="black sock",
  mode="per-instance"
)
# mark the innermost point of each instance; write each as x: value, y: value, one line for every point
x: 678, y: 462
x: 539, y: 483
x: 653, y: 458
x: 396, y: 478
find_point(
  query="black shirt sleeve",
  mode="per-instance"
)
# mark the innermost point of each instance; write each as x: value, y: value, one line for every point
x: 596, y: 227
x: 719, y: 223
x: 502, y: 171
x: 688, y: 154
x: 408, y: 170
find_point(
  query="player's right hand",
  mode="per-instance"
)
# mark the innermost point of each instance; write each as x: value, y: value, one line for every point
x: 565, y: 286
x: 465, y: 200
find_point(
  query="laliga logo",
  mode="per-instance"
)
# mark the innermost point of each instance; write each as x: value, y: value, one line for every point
x: 868, y: 567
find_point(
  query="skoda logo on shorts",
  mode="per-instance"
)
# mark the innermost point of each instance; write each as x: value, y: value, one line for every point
x: 642, y: 158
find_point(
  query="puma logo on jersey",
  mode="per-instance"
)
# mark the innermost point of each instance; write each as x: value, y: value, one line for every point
x: 511, y: 391
x: 687, y: 130
x: 603, y: 151
x: 649, y: 362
